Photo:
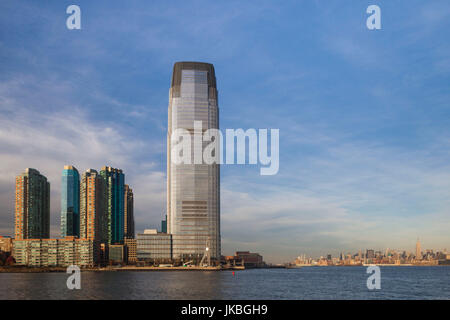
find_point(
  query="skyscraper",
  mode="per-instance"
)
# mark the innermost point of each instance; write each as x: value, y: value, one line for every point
x: 93, y: 217
x: 32, y: 206
x: 129, y: 213
x: 115, y: 211
x: 164, y: 224
x: 418, y: 250
x: 70, y: 202
x: 193, y: 190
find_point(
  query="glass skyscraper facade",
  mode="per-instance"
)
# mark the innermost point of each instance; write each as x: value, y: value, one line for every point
x: 32, y: 206
x: 164, y: 225
x: 193, y: 190
x: 115, y: 196
x: 70, y: 202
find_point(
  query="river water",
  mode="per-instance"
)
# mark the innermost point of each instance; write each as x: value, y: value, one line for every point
x: 303, y: 283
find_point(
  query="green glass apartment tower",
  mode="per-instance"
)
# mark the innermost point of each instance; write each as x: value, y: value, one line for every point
x: 193, y: 190
x: 115, y: 210
x: 32, y: 206
x: 70, y: 202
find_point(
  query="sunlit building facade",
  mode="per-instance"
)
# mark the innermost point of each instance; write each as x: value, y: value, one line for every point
x: 152, y: 245
x: 193, y: 190
x: 131, y: 249
x: 32, y: 206
x: 93, y: 218
x: 54, y: 252
x: 5, y: 244
x: 70, y: 202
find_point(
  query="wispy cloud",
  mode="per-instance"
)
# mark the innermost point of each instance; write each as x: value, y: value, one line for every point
x: 363, y: 116
x: 48, y: 140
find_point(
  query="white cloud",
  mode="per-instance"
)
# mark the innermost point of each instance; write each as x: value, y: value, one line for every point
x: 47, y: 141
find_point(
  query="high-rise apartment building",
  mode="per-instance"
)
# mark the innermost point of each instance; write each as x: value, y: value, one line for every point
x: 32, y: 206
x: 193, y: 190
x: 115, y: 195
x: 93, y: 217
x: 70, y: 202
x: 128, y: 213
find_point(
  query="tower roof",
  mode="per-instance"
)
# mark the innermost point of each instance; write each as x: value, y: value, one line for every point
x: 190, y: 65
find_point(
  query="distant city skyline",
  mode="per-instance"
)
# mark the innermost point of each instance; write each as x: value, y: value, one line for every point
x: 363, y: 115
x: 382, y: 257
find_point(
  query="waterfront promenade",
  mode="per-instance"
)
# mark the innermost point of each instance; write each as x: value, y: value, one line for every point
x: 24, y: 269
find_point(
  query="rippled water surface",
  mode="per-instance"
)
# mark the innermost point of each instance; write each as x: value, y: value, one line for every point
x: 304, y: 283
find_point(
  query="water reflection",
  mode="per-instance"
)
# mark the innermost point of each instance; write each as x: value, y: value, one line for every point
x: 305, y: 283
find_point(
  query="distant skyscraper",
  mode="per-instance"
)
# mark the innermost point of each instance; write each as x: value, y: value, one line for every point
x: 129, y: 213
x: 115, y: 195
x: 32, y: 207
x: 93, y: 217
x: 193, y: 190
x: 418, y: 250
x: 164, y: 225
x: 70, y: 202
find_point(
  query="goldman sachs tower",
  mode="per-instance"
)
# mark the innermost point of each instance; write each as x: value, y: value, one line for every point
x: 193, y: 190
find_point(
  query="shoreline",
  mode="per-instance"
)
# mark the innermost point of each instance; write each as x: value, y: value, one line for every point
x: 23, y: 269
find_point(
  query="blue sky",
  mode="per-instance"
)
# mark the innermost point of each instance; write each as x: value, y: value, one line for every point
x: 364, y: 116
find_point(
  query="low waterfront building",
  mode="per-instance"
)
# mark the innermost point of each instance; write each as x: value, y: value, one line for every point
x: 153, y: 245
x: 54, y: 252
x: 231, y: 261
x: 131, y: 249
x: 250, y: 259
x: 5, y: 244
x: 116, y: 253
